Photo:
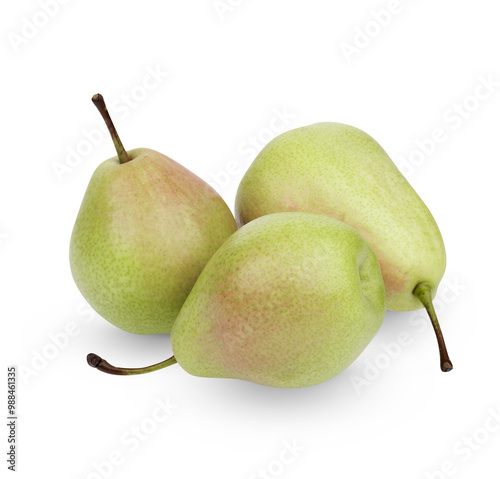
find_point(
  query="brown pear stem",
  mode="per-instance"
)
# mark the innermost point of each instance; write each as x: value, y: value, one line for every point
x: 423, y: 292
x: 102, y: 365
x: 98, y: 101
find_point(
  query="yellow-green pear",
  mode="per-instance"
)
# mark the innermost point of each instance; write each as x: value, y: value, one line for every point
x: 289, y: 300
x: 146, y: 228
x: 340, y: 171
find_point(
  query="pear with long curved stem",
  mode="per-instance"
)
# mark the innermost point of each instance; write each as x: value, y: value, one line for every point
x: 146, y: 228
x: 289, y: 300
x: 340, y: 171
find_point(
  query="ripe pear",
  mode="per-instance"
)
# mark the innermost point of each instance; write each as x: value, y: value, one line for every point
x: 146, y: 228
x: 289, y: 300
x: 340, y: 171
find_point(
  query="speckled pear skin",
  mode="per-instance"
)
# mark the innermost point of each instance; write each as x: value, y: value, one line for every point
x: 289, y: 300
x: 340, y: 171
x: 144, y: 232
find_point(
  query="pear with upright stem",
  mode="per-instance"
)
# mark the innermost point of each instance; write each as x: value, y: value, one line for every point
x: 146, y: 228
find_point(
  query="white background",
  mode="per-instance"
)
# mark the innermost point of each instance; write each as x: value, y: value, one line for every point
x: 231, y: 74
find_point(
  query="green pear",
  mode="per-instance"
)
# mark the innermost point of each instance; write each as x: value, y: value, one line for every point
x: 146, y: 228
x: 340, y: 171
x: 289, y: 300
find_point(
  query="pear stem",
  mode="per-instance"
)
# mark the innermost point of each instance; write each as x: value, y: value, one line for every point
x: 98, y: 101
x: 102, y: 365
x: 423, y: 293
